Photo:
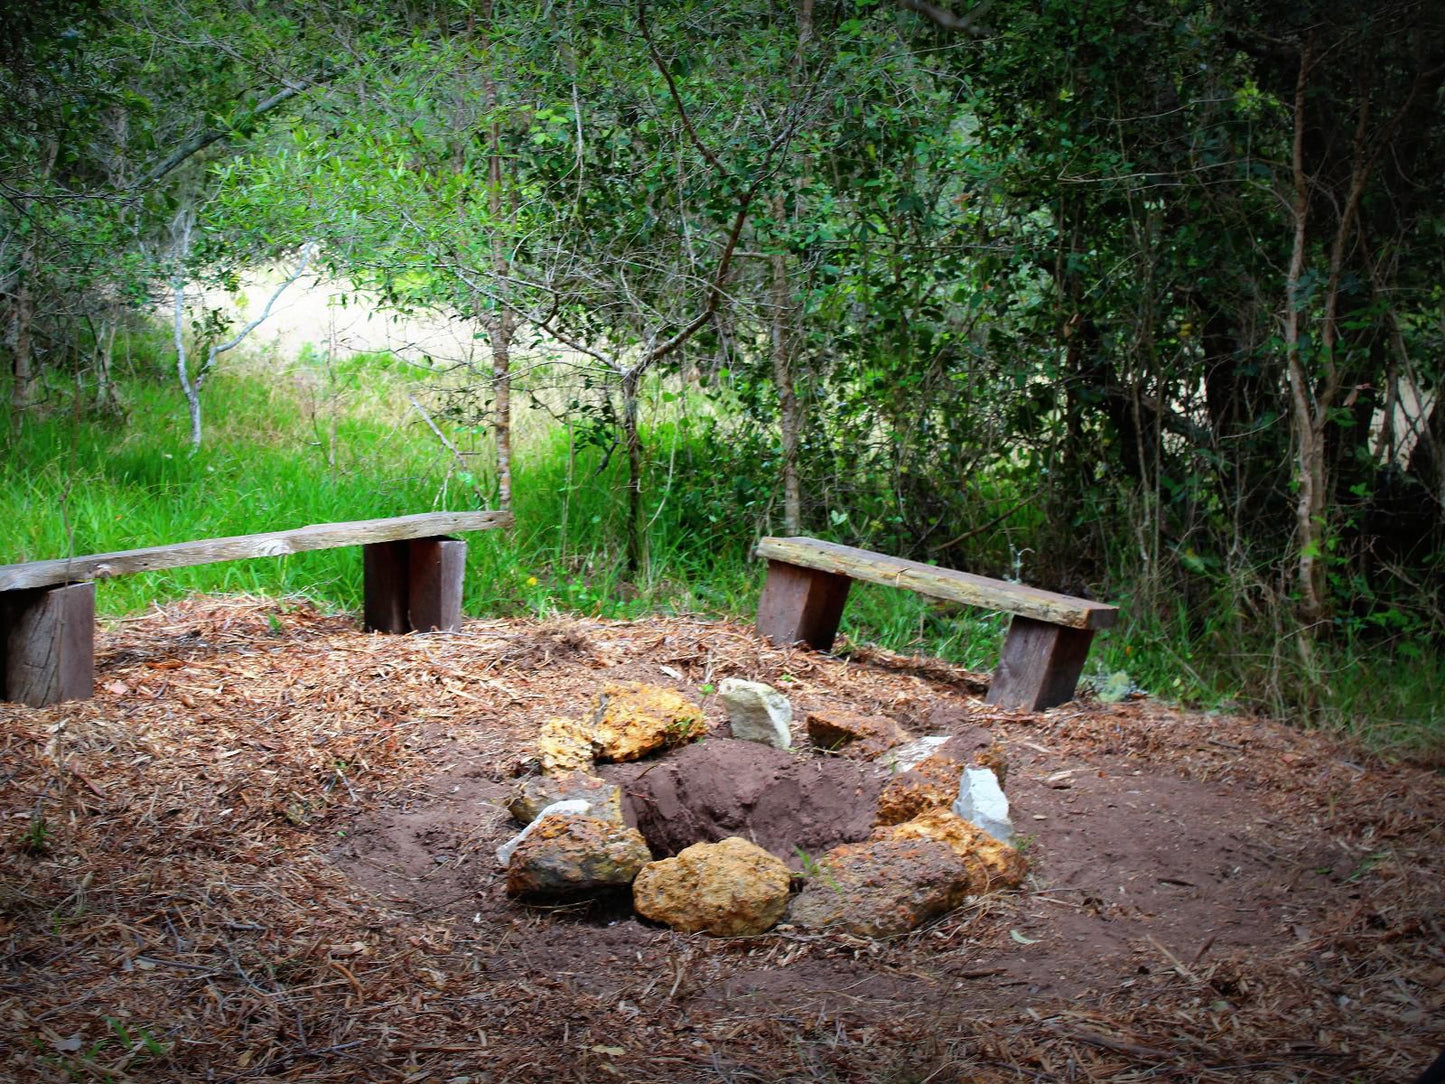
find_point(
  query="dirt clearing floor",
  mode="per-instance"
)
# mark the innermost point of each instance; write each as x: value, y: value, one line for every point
x: 264, y: 852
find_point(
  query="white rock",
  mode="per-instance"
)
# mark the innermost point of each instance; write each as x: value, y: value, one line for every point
x: 904, y: 758
x: 757, y: 712
x: 573, y: 805
x: 981, y: 802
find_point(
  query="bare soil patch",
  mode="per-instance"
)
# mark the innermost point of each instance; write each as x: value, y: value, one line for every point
x: 264, y: 852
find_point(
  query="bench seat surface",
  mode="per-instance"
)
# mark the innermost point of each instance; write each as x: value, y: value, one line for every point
x: 318, y: 536
x: 936, y: 582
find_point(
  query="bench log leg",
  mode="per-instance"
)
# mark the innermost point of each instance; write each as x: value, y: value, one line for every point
x: 434, y: 589
x: 384, y: 583
x: 414, y: 585
x: 1039, y: 666
x: 47, y: 644
x: 801, y: 604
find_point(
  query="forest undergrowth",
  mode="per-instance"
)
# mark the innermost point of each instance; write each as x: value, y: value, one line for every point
x: 315, y: 440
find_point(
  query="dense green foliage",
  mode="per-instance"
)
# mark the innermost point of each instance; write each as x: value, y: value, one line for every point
x: 1133, y: 300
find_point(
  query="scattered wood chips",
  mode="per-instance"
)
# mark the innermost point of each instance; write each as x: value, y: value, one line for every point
x: 184, y: 897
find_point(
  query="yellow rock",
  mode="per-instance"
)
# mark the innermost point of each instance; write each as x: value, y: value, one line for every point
x: 633, y: 719
x: 731, y: 889
x: 933, y: 784
x: 991, y: 863
x: 564, y: 745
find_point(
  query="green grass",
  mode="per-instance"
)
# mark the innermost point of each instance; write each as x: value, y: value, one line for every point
x: 312, y: 442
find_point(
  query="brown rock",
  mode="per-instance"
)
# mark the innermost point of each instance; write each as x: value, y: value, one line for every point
x: 991, y: 863
x: 731, y: 889
x: 633, y: 719
x: 853, y: 735
x: 931, y: 785
x: 571, y: 855
x: 994, y: 757
x: 564, y: 745
x: 537, y: 793
x: 723, y: 787
x: 882, y: 888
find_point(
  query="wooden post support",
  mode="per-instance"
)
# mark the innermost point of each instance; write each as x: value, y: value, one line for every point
x: 415, y: 585
x: 1039, y: 666
x: 47, y: 644
x: 437, y: 567
x: 801, y: 604
x: 384, y: 587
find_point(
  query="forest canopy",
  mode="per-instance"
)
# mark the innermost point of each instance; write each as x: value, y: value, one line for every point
x: 1149, y: 292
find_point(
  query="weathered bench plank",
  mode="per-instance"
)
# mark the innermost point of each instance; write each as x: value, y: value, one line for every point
x: 1043, y: 654
x: 320, y: 536
x: 938, y: 582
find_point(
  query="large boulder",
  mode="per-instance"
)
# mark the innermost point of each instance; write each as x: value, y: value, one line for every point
x: 732, y: 888
x: 575, y: 855
x: 881, y: 888
x: 633, y: 720
x: 564, y: 745
x: 757, y: 712
x: 852, y: 735
x: 991, y: 863
x: 537, y: 793
x: 722, y: 787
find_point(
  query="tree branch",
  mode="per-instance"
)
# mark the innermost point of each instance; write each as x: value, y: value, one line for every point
x: 308, y: 250
x: 204, y: 138
x: 672, y: 88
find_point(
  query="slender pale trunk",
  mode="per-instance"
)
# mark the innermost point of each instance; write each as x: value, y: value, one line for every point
x: 190, y: 385
x: 105, y: 353
x: 1309, y: 466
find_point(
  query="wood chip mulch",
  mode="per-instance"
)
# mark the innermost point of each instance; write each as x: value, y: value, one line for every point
x: 173, y: 908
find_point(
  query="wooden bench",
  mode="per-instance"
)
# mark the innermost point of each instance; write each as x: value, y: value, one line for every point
x: 412, y: 581
x: 1043, y: 654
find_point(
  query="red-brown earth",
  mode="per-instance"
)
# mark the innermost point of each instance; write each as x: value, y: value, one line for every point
x: 264, y: 852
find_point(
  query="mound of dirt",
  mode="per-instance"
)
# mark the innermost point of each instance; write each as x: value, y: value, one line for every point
x: 724, y: 787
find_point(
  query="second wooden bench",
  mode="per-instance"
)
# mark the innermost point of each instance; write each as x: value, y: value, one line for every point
x: 412, y: 581
x: 1043, y: 653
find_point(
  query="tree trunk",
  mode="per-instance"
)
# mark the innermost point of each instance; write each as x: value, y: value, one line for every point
x: 1309, y: 464
x: 22, y: 387
x: 22, y: 363
x: 785, y: 332
x: 790, y: 421
x: 190, y: 387
x: 632, y: 439
x: 500, y: 326
x: 118, y: 125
